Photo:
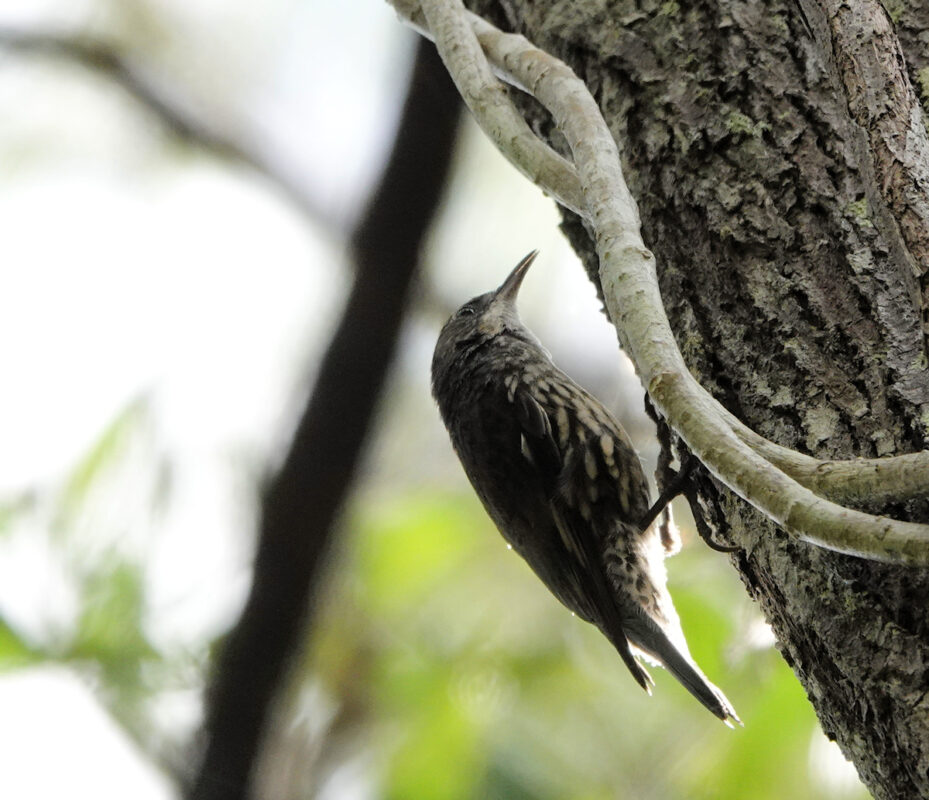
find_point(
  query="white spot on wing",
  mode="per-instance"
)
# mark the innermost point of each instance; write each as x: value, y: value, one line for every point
x: 590, y: 464
x: 524, y: 449
x: 562, y: 419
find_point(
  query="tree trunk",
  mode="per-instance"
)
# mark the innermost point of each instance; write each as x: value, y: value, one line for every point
x: 779, y: 157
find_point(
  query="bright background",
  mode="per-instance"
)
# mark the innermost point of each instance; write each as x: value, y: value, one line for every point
x: 161, y: 313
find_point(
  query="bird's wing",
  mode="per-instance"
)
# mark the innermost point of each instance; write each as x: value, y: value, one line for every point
x: 537, y: 438
x: 574, y: 549
x: 596, y: 492
x: 549, y: 556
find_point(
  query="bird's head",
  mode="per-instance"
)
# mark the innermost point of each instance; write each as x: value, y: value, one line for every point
x: 485, y: 316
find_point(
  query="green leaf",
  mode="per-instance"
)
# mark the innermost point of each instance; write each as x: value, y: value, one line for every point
x: 14, y: 507
x: 15, y: 651
x: 408, y: 547
x: 440, y: 757
x: 102, y: 455
x: 110, y: 626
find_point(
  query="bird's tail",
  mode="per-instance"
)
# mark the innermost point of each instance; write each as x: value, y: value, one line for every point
x: 646, y: 635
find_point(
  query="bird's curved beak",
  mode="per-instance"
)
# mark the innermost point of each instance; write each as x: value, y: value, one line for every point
x: 510, y: 287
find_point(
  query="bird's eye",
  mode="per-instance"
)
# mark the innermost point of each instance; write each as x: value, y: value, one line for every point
x: 465, y: 311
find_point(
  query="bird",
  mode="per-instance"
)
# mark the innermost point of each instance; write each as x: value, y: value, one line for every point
x: 563, y: 483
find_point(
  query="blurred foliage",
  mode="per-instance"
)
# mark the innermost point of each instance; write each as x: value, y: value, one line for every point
x: 99, y: 567
x: 15, y: 651
x: 440, y: 661
x: 474, y: 682
x: 91, y: 471
x: 109, y: 637
x: 443, y: 665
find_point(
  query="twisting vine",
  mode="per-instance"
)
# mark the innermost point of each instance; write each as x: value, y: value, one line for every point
x: 802, y: 494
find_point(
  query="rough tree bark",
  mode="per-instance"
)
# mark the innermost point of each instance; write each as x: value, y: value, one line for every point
x: 778, y: 154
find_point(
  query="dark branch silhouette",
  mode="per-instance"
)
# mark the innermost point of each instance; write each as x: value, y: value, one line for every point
x: 174, y: 111
x: 303, y: 500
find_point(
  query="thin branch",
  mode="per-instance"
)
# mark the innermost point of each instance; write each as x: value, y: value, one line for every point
x: 498, y: 118
x: 303, y: 501
x: 860, y: 481
x: 173, y: 112
x: 629, y: 281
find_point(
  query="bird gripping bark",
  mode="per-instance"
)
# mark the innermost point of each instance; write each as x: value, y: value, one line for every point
x: 560, y: 479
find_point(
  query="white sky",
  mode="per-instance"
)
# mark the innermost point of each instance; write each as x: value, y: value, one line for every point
x: 57, y: 742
